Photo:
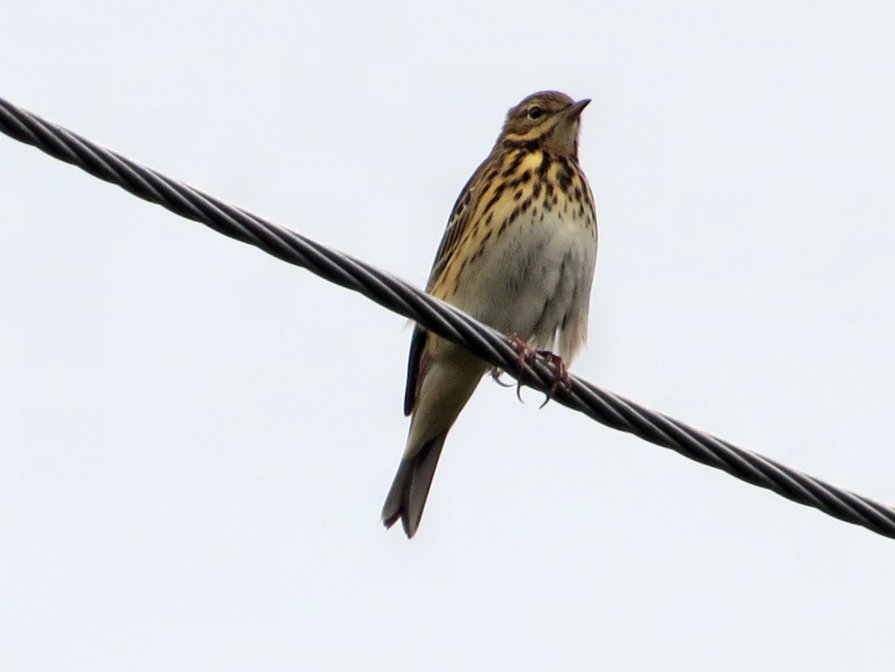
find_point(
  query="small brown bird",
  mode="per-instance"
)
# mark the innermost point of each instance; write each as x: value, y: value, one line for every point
x: 518, y: 254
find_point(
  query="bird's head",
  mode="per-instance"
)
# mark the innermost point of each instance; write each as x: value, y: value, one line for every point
x: 547, y: 120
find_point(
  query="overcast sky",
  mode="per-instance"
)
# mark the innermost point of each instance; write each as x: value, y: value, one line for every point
x: 196, y: 438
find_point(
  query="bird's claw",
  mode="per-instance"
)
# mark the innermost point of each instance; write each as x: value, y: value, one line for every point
x: 561, y: 376
x: 525, y: 354
x: 496, y: 373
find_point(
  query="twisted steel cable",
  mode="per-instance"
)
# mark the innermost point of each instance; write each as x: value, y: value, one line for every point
x: 445, y: 320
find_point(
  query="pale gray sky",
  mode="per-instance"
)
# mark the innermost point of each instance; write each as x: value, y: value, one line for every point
x: 196, y: 439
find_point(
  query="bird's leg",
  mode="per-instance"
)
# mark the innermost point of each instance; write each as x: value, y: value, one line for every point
x: 525, y: 352
x: 561, y: 374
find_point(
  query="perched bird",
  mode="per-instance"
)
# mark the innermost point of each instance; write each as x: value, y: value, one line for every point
x: 518, y: 254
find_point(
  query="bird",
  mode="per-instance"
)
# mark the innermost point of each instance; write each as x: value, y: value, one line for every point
x: 518, y: 254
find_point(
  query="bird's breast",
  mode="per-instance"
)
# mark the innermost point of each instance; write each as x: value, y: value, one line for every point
x: 531, y: 265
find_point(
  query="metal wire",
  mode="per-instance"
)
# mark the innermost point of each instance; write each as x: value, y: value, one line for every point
x: 400, y: 297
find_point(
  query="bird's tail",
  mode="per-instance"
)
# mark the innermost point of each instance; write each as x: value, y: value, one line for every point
x: 407, y: 496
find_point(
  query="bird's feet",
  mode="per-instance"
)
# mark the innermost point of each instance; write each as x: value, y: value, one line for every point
x: 527, y: 353
x: 560, y: 374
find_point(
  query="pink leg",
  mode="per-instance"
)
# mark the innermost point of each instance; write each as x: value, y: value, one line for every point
x: 562, y: 374
x: 526, y: 353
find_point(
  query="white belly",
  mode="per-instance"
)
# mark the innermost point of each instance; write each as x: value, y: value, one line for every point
x: 534, y: 280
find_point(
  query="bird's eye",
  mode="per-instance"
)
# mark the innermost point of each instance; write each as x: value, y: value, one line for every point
x: 535, y: 112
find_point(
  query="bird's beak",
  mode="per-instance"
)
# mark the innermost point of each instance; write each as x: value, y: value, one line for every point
x: 574, y: 110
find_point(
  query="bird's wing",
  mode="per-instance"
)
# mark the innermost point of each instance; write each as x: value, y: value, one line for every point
x: 416, y: 365
x: 458, y: 223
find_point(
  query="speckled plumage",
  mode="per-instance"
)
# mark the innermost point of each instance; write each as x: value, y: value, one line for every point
x: 518, y: 254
